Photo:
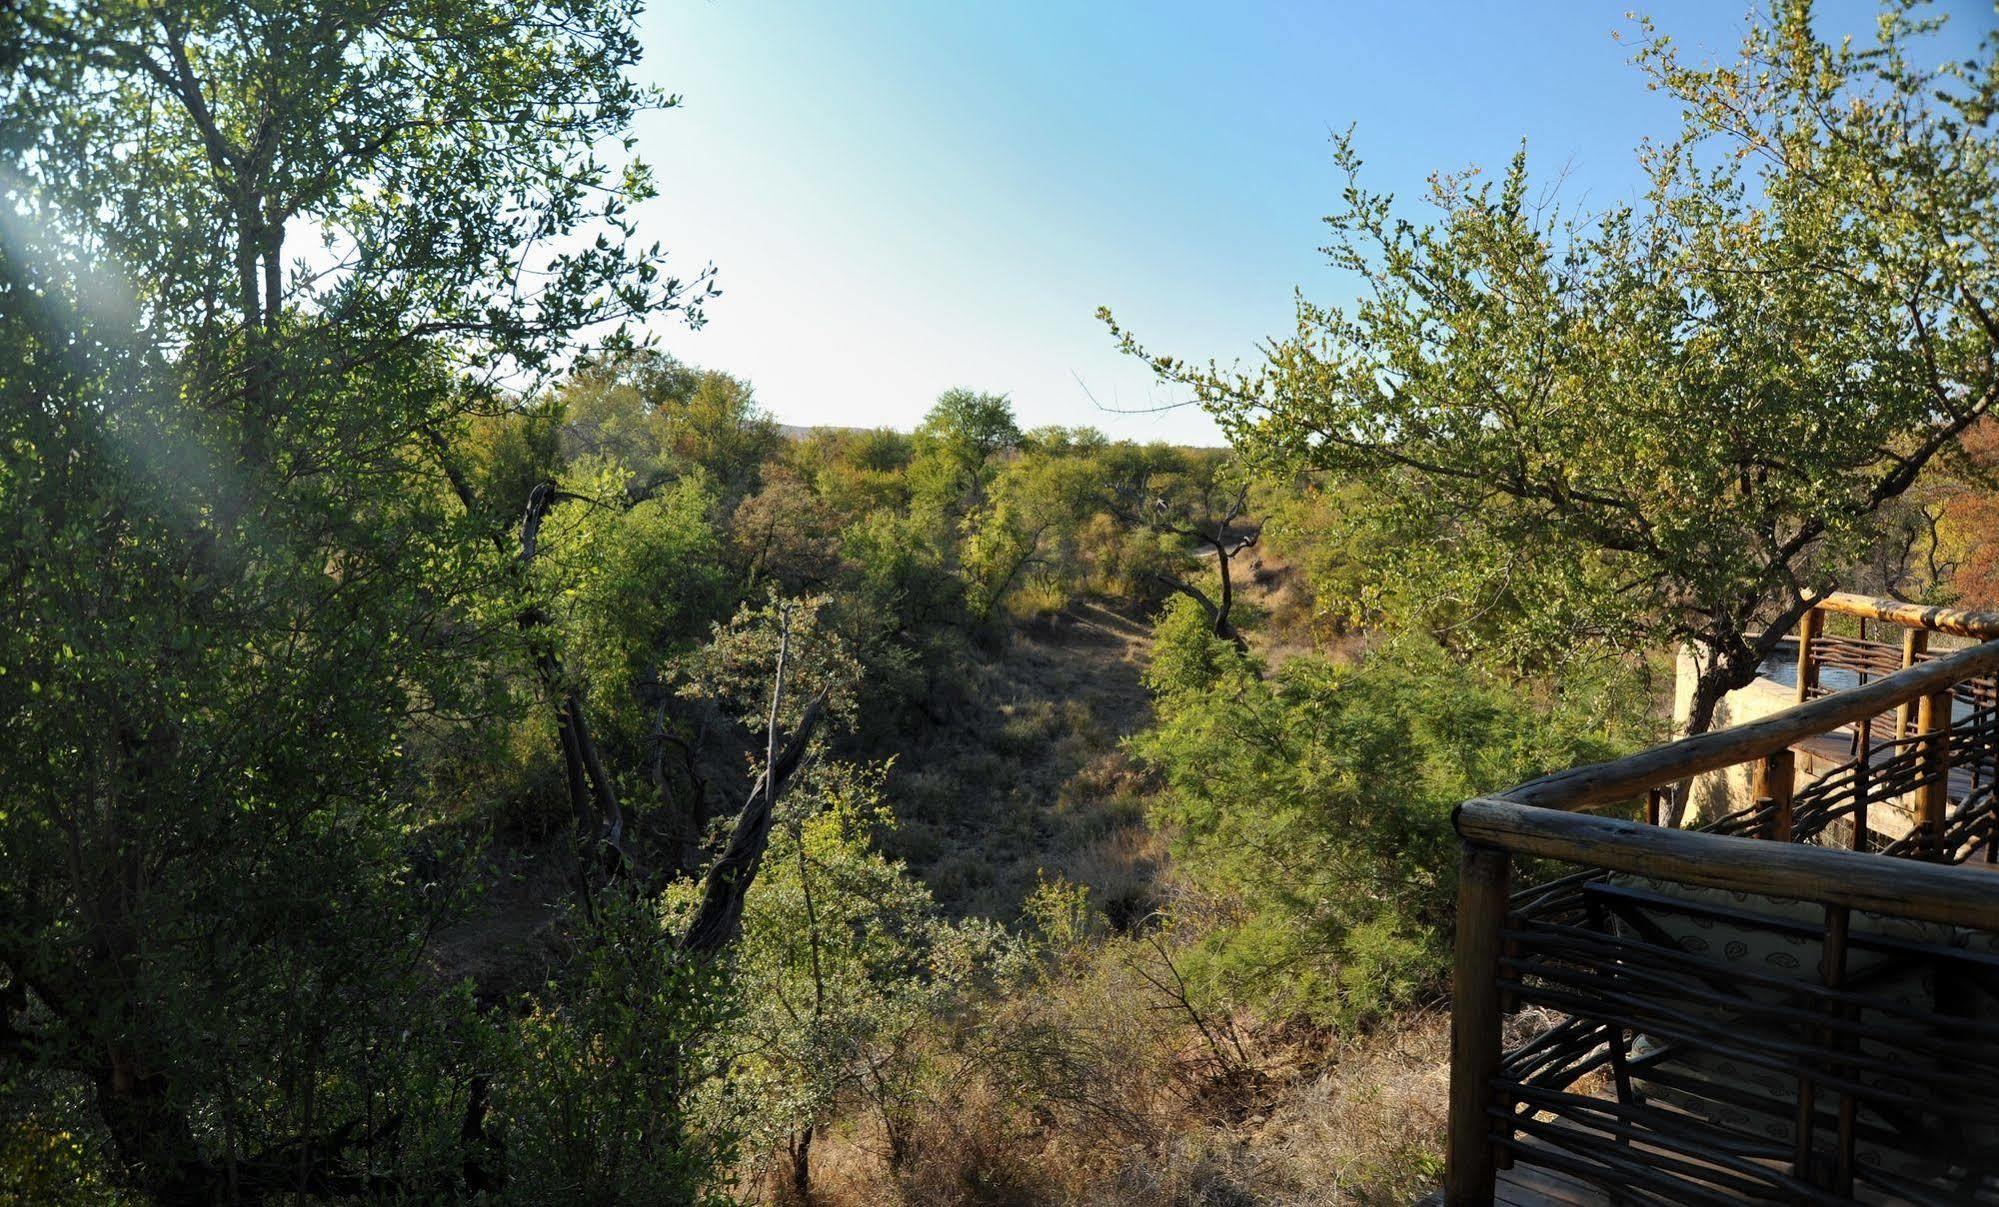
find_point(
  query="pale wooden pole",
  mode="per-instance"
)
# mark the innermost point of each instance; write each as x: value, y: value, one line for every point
x: 1933, y: 721
x: 1808, y: 663
x: 1915, y: 643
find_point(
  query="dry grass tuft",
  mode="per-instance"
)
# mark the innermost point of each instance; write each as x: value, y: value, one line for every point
x: 1111, y: 1122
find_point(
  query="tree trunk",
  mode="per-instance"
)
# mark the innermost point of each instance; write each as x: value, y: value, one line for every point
x: 728, y: 881
x: 1727, y: 666
x: 1218, y: 623
x: 1710, y: 686
x: 1223, y: 628
x: 801, y: 1166
x: 153, y: 1140
x: 274, y: 270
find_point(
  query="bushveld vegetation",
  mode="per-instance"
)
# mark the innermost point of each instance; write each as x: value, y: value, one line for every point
x: 454, y: 750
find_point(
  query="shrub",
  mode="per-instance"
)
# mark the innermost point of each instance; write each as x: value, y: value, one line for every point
x: 1319, y: 797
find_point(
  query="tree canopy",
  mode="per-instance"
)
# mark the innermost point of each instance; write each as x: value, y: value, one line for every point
x: 1673, y: 420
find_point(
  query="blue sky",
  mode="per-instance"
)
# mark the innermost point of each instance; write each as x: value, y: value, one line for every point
x: 902, y: 197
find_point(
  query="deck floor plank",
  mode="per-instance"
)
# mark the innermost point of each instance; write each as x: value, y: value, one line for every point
x: 1529, y: 1186
x: 1538, y: 1186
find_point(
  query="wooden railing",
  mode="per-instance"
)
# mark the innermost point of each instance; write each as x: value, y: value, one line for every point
x: 1913, y: 756
x: 1778, y: 1006
x: 1865, y: 654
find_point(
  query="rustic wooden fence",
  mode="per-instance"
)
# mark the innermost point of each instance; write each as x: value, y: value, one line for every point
x: 1786, y: 1005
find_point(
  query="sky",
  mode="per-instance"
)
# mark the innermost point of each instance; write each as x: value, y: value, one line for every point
x: 901, y: 197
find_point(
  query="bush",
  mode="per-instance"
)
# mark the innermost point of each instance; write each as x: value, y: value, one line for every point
x: 1319, y: 799
x: 596, y: 1097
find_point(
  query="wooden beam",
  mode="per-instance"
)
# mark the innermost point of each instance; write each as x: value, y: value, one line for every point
x: 1626, y: 778
x: 1930, y: 892
x: 1933, y: 722
x: 1484, y: 883
x: 1958, y: 622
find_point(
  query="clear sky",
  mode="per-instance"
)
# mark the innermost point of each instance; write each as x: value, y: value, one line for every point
x: 902, y: 196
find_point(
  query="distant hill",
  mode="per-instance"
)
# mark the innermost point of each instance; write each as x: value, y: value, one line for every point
x: 794, y: 431
x: 799, y: 431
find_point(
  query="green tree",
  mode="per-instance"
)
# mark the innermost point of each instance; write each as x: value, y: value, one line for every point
x: 258, y: 262
x: 844, y: 964
x: 1028, y: 524
x: 856, y: 471
x: 630, y: 588
x: 901, y: 574
x: 1197, y: 504
x: 1677, y: 420
x: 663, y: 419
x: 957, y: 450
x: 603, y: 1086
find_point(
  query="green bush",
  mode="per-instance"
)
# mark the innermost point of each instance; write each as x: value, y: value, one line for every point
x: 1318, y: 799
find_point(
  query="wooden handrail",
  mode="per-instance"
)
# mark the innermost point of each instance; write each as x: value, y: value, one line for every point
x: 1958, y: 622
x: 1626, y: 778
x: 1542, y: 818
x: 1932, y: 892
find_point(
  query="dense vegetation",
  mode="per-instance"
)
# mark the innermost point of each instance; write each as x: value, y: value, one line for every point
x: 455, y: 750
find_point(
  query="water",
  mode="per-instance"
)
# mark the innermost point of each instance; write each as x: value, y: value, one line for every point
x: 1782, y: 666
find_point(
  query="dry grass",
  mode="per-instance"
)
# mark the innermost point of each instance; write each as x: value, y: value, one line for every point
x: 1027, y: 775
x: 1119, y: 1116
x: 1368, y: 1130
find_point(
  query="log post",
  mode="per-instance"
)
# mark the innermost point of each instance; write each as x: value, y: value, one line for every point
x: 1933, y: 722
x: 1484, y: 881
x: 1832, y: 970
x: 1832, y: 973
x: 1915, y: 643
x: 1809, y: 626
x: 1863, y: 773
x: 1776, y: 782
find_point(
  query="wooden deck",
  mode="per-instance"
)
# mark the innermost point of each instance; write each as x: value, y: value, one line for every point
x: 1528, y: 1186
x: 1552, y: 949
x: 1824, y: 751
x: 1532, y: 1186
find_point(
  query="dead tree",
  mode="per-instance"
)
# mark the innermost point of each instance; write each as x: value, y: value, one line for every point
x: 720, y: 916
x: 599, y: 818
x: 593, y: 797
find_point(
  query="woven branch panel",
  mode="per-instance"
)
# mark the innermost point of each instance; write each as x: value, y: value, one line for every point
x: 1828, y: 810
x: 1721, y: 1046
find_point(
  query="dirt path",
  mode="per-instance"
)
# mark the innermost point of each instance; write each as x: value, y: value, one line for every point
x: 1099, y: 654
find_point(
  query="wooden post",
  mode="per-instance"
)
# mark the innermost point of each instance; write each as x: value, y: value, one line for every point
x: 1832, y: 973
x: 1915, y: 643
x: 1484, y: 882
x: 1832, y: 969
x: 1863, y: 772
x: 1809, y: 626
x: 1776, y: 782
x: 1933, y: 722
